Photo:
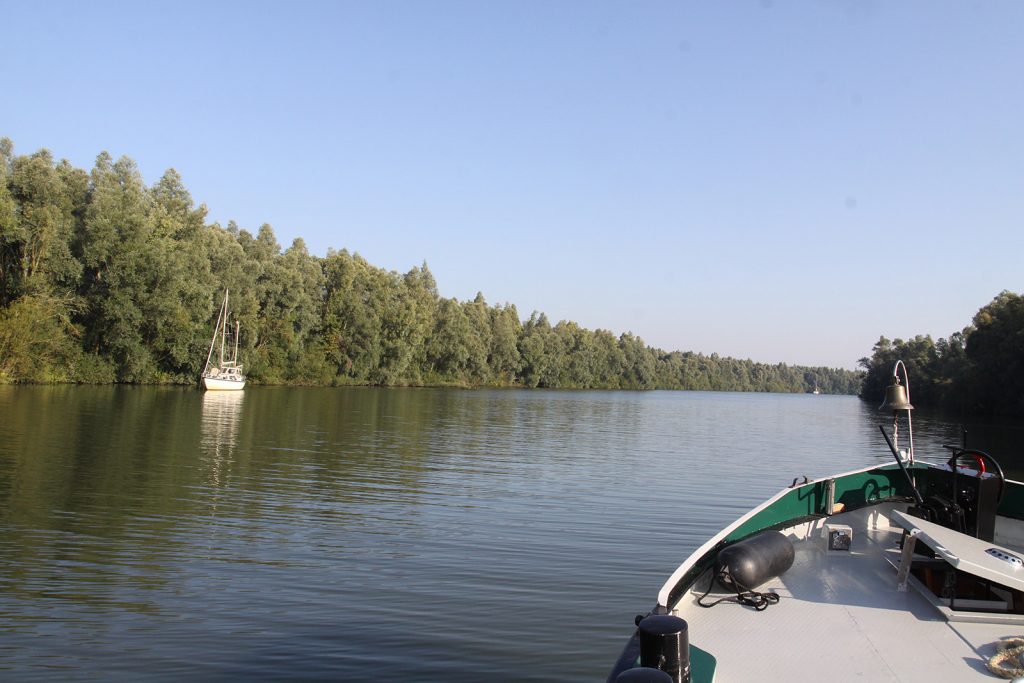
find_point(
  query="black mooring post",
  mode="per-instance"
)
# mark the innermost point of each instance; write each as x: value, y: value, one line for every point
x: 665, y: 645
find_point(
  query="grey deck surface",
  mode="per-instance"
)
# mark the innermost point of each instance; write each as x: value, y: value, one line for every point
x: 841, y: 618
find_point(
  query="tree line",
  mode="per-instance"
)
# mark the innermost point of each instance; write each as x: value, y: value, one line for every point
x: 103, y: 279
x: 978, y: 370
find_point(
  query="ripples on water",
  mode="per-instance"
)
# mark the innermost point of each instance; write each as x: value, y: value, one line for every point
x: 377, y: 534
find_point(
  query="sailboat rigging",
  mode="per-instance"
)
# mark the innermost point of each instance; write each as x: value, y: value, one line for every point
x: 227, y: 374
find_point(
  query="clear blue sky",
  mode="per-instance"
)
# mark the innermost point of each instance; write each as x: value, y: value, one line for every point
x: 781, y: 181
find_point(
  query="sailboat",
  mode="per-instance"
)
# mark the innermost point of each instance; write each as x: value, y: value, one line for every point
x: 227, y: 374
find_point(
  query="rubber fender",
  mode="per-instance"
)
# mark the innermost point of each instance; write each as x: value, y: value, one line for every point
x: 745, y: 565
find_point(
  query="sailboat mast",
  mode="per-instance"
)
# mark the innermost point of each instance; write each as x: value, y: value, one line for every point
x: 234, y: 359
x: 223, y: 329
x: 213, y: 341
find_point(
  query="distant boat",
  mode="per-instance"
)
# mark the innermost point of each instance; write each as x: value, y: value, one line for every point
x: 227, y: 374
x: 815, y: 392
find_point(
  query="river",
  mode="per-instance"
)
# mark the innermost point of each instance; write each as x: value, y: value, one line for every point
x: 360, y: 534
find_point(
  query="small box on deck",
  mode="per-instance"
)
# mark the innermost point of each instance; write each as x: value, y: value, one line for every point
x: 838, y: 538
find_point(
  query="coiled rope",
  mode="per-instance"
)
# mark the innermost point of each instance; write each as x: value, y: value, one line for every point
x: 744, y: 596
x: 1008, y: 651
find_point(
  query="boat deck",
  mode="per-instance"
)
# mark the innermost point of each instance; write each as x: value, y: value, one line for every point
x: 842, y: 617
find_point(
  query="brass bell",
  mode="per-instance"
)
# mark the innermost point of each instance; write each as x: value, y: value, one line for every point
x: 896, y: 397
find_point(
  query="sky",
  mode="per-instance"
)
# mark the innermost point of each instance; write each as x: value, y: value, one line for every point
x: 779, y: 181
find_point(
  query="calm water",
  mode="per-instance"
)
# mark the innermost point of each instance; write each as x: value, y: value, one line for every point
x: 380, y: 534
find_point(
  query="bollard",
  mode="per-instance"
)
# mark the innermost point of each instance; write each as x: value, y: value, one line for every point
x: 665, y: 645
x: 643, y: 674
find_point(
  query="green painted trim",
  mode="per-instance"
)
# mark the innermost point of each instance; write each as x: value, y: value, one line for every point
x: 807, y: 501
x: 854, y: 491
x: 702, y: 665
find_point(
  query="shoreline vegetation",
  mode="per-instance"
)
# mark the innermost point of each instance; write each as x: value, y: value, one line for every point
x: 978, y: 371
x: 105, y: 280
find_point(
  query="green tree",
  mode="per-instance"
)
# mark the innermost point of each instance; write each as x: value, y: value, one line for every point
x: 118, y: 258
x: 351, y: 326
x: 450, y: 345
x: 37, y: 221
x: 540, y: 365
x: 36, y: 341
x: 176, y: 297
x: 503, y: 356
x: 418, y: 300
x: 609, y: 361
x: 478, y: 342
x: 288, y: 290
x: 995, y: 349
x: 639, y: 368
x: 576, y: 345
x: 10, y: 258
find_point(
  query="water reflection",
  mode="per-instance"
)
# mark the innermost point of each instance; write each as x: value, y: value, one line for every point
x: 221, y: 417
x: 1000, y: 437
x: 257, y: 532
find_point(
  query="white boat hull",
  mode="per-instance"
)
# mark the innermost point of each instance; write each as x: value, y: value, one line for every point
x: 222, y: 384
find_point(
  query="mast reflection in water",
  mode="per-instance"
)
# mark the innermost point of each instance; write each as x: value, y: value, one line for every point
x: 221, y: 415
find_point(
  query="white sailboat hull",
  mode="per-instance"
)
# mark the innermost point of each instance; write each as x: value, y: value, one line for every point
x: 222, y: 383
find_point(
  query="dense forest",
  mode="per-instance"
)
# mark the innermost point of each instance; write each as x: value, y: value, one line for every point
x: 978, y: 370
x: 103, y: 279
